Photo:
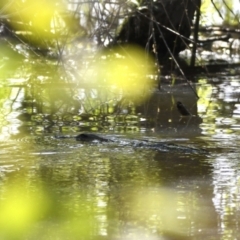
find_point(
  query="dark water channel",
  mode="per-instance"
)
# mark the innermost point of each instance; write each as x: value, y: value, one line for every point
x: 117, y: 191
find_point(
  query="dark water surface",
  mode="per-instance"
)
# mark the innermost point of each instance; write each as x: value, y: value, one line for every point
x: 117, y: 191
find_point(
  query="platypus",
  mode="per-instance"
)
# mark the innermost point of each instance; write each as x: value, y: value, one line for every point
x: 159, y: 146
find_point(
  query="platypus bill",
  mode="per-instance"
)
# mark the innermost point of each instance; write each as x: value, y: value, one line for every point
x: 183, y: 110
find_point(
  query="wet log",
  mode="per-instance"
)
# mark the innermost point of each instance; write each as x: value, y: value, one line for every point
x: 163, y: 27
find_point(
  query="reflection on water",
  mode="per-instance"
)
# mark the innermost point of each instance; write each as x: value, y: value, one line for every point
x: 112, y: 191
x: 226, y: 193
x: 131, y: 191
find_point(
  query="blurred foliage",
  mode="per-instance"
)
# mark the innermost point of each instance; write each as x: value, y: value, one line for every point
x: 220, y: 13
x: 126, y: 70
x: 36, y: 212
x: 41, y: 23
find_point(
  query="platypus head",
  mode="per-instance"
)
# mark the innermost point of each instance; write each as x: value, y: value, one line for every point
x: 88, y: 137
x: 182, y: 109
